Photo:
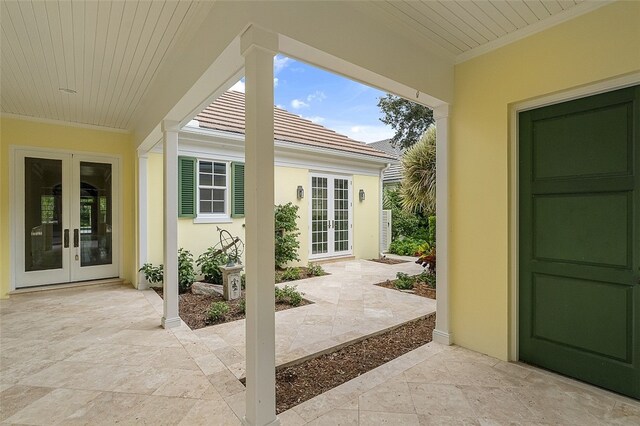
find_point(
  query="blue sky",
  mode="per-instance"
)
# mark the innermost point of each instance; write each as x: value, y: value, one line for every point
x: 328, y: 99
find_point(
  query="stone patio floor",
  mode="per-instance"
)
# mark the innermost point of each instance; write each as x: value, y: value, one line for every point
x: 96, y: 355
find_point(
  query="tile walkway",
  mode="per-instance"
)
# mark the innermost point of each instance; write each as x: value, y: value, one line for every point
x: 96, y: 355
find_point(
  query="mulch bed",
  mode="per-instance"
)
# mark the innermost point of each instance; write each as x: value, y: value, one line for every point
x: 419, y: 289
x: 301, y: 382
x: 193, y: 308
x: 389, y: 261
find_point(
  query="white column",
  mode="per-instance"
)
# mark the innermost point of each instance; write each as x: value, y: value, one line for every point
x: 170, y: 317
x: 258, y: 48
x: 442, y: 333
x: 142, y: 217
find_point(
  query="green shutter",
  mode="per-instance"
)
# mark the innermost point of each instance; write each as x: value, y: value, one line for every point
x: 187, y: 187
x: 237, y: 189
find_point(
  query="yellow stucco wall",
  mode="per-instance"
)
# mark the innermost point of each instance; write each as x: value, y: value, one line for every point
x: 23, y: 133
x: 366, y: 217
x: 196, y: 237
x: 596, y: 46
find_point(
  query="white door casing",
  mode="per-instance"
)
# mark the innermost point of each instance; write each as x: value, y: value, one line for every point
x: 330, y: 216
x: 70, y: 268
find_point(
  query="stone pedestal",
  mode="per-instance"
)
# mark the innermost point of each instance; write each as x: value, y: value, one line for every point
x: 231, y: 281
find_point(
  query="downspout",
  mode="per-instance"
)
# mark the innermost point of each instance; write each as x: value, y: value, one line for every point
x: 381, y: 225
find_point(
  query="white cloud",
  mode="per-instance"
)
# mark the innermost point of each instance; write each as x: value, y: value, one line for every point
x: 239, y: 86
x: 317, y: 96
x: 275, y: 82
x: 280, y: 63
x: 279, y: 106
x: 297, y: 104
x: 365, y: 133
x: 316, y: 119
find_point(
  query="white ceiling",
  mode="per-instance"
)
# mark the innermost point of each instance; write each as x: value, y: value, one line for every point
x: 110, y: 51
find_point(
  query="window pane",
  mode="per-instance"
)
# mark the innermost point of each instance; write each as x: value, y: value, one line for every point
x: 205, y: 206
x: 205, y: 179
x: 218, y: 180
x: 218, y: 194
x: 218, y: 207
x: 205, y: 166
x: 220, y: 168
x: 206, y: 194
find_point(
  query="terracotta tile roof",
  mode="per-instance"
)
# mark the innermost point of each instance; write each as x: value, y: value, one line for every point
x: 227, y: 114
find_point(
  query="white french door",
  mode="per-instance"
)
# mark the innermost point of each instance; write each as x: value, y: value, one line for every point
x: 331, y: 216
x: 66, y: 209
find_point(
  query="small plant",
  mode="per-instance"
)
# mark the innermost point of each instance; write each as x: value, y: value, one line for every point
x: 243, y: 281
x: 153, y: 274
x: 209, y: 263
x: 405, y: 246
x: 217, y: 311
x: 423, y: 249
x: 286, y: 234
x: 428, y: 278
x: 186, y: 273
x: 288, y: 294
x: 404, y: 281
x: 290, y: 274
x: 315, y: 270
x: 242, y: 305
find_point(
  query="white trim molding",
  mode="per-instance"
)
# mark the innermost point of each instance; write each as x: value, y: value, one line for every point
x: 614, y: 83
x: 442, y: 333
x: 143, y: 218
x: 63, y: 123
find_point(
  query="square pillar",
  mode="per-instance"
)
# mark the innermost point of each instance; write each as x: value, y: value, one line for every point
x: 142, y: 217
x: 259, y: 48
x: 442, y: 333
x: 170, y: 317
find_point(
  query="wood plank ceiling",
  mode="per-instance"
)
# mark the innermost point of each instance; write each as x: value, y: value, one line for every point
x: 105, y: 52
x: 91, y: 62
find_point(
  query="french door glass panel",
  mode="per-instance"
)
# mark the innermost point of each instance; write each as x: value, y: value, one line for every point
x: 330, y: 216
x: 43, y: 213
x: 95, y: 214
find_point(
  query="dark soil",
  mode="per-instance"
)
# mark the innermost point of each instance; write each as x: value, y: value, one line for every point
x: 301, y: 382
x: 419, y: 289
x: 389, y: 261
x: 193, y: 308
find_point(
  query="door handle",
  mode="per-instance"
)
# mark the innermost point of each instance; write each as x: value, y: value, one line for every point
x: 66, y: 238
x: 76, y: 237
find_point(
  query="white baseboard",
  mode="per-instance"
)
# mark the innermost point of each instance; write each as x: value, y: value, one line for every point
x: 442, y: 337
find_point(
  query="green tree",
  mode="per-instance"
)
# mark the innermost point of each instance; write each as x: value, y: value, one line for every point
x: 404, y: 224
x: 418, y: 187
x: 409, y: 119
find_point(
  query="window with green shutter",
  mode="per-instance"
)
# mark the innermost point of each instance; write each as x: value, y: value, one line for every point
x: 237, y: 189
x: 186, y: 187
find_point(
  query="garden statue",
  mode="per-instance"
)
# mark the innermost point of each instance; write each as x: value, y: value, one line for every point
x: 232, y: 247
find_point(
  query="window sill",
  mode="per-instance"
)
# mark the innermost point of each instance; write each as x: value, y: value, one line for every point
x: 218, y: 219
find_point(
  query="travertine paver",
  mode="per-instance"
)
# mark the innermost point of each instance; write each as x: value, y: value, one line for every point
x: 97, y: 355
x: 346, y: 306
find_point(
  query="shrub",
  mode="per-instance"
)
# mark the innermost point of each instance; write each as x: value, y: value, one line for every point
x: 404, y: 281
x: 432, y: 231
x: 418, y: 187
x: 288, y: 294
x: 290, y: 274
x: 209, y: 263
x: 186, y: 273
x: 403, y: 223
x: 406, y: 246
x: 242, y: 305
x: 423, y: 249
x: 217, y: 310
x: 315, y: 270
x: 286, y: 236
x: 153, y: 274
x: 243, y: 281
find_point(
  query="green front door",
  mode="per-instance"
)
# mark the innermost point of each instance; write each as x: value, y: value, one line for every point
x: 579, y: 276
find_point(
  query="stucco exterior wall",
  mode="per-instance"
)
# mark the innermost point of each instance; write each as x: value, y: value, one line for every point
x: 597, y: 46
x: 24, y: 134
x: 197, y: 237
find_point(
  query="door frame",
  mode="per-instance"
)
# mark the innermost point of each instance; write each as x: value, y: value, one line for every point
x: 14, y: 209
x: 514, y: 195
x: 330, y: 205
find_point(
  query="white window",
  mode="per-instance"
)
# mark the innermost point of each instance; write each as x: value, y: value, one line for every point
x: 212, y: 188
